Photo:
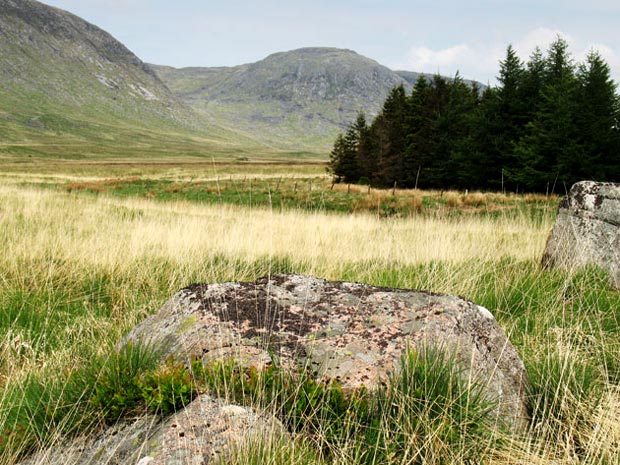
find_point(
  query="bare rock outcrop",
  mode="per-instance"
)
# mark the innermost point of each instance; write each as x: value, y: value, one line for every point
x: 351, y: 332
x: 587, y: 230
x: 205, y: 430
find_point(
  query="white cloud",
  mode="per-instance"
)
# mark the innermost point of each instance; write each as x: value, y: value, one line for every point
x: 540, y: 37
x: 480, y: 61
x: 424, y: 57
x: 472, y: 62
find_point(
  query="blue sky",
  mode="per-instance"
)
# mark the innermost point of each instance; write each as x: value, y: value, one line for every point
x: 441, y: 36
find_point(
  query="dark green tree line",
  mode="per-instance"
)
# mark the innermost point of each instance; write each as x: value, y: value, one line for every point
x: 546, y: 124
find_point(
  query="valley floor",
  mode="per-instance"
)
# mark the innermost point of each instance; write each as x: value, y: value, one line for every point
x: 90, y: 249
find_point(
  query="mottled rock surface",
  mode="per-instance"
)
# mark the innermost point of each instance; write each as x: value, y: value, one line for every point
x: 207, y: 428
x: 351, y: 332
x: 587, y: 230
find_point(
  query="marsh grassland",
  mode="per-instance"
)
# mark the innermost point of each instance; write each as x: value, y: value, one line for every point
x: 88, y: 251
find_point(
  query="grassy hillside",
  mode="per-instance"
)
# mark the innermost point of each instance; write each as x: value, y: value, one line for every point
x: 69, y: 89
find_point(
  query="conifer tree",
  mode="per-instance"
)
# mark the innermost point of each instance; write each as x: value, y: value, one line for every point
x: 419, y: 151
x: 482, y: 167
x: 597, y: 119
x: 366, y: 149
x: 351, y: 145
x: 392, y: 130
x: 437, y: 103
x: 336, y: 159
x: 548, y: 154
x: 510, y: 119
x: 456, y: 144
x: 533, y: 83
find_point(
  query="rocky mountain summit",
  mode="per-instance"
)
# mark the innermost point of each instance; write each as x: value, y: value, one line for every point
x: 302, y: 96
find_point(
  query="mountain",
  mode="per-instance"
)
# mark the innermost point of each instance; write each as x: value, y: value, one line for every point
x: 411, y: 77
x: 300, y: 98
x: 297, y: 98
x: 68, y: 87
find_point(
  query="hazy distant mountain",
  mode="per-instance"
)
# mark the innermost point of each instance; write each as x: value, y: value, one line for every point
x: 303, y: 96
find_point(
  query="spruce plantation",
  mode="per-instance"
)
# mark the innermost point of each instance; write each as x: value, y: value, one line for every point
x: 546, y: 125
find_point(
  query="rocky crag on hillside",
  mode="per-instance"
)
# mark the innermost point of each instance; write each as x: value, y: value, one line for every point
x: 587, y: 230
x: 349, y: 332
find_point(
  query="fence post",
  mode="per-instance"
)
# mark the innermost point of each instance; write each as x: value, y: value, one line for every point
x: 417, y: 176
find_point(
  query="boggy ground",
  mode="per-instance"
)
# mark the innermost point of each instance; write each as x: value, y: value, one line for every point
x: 79, y: 268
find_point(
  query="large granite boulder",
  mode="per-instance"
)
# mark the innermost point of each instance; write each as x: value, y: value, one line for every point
x: 351, y: 332
x: 587, y: 230
x: 206, y: 430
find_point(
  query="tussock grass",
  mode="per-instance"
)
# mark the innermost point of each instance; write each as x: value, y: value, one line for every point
x: 426, y: 413
x: 77, y: 271
x: 475, y: 199
x: 113, y: 234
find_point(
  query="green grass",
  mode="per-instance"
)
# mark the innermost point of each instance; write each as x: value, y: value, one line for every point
x: 426, y: 412
x: 66, y: 302
x: 312, y: 194
x: 530, y: 303
x: 101, y: 390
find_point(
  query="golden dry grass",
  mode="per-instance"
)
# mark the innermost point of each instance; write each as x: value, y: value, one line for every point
x: 52, y: 238
x: 112, y: 232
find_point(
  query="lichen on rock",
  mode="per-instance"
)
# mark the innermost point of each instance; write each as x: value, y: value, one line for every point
x: 587, y: 230
x: 206, y: 430
x: 349, y: 332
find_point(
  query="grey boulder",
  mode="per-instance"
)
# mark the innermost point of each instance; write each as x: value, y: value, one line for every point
x: 587, y: 230
x: 207, y: 429
x: 350, y: 332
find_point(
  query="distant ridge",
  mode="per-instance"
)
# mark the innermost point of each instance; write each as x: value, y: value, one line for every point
x: 297, y: 98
